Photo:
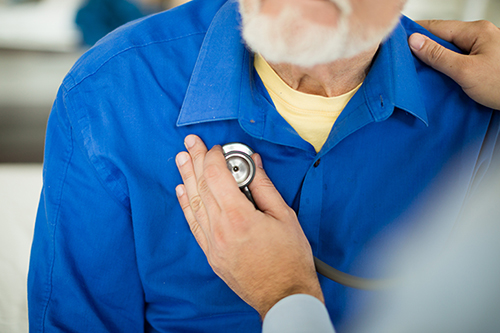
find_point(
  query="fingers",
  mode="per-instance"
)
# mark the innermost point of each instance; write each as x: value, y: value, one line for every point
x: 194, y: 197
x: 197, y: 188
x: 456, y: 32
x: 438, y: 57
x: 462, y: 34
x: 197, y: 150
x: 477, y: 72
x: 195, y: 227
x: 265, y: 194
x: 208, y: 190
x: 441, y: 28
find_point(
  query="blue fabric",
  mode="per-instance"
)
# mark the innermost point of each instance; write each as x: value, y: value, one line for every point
x: 112, y: 251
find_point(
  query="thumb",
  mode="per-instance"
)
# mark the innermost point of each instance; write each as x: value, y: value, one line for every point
x: 437, y: 56
x: 264, y: 193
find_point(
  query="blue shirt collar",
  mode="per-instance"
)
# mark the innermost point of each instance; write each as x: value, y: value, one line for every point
x: 223, y: 64
x: 215, y: 84
x: 393, y: 80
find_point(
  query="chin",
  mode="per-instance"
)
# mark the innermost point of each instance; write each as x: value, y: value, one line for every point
x: 291, y: 39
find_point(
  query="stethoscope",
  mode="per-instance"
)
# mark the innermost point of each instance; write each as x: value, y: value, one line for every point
x: 240, y: 163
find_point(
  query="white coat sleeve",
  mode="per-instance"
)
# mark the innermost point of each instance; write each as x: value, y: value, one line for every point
x: 298, y: 313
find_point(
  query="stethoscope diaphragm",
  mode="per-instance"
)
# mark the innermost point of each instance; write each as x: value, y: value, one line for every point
x: 239, y: 162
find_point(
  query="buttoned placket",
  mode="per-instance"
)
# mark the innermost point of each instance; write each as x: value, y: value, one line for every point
x: 311, y: 202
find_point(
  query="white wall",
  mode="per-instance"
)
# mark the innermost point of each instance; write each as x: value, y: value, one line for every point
x: 468, y: 10
x: 19, y: 192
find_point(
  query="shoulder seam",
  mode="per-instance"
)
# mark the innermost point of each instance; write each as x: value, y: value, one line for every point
x: 75, y: 83
x: 91, y: 159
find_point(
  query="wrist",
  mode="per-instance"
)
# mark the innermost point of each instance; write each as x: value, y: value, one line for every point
x: 313, y: 289
x: 298, y: 313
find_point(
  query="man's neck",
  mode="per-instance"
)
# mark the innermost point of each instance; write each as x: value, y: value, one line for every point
x: 329, y: 80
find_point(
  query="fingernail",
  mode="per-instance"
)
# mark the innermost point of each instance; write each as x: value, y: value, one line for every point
x: 189, y: 141
x: 182, y: 158
x: 258, y: 161
x: 179, y: 190
x: 417, y: 41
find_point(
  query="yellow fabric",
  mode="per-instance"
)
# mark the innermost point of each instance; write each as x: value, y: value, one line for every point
x: 312, y: 116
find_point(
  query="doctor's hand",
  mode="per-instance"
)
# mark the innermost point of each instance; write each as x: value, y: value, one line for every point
x: 263, y: 255
x: 478, y: 71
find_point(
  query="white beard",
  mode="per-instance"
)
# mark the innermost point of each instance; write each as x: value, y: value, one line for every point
x: 290, y: 38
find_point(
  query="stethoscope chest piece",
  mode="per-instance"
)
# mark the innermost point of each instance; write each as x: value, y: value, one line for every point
x: 240, y: 163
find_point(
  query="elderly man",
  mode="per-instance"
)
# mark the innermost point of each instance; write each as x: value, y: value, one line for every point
x: 350, y: 126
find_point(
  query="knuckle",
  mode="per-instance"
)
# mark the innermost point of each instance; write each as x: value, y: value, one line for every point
x: 290, y: 213
x: 286, y: 214
x: 235, y: 215
x: 185, y: 206
x: 435, y: 53
x: 220, y: 238
x: 196, y: 230
x: 464, y: 72
x: 197, y: 154
x: 188, y: 173
x: 196, y: 203
x: 220, y: 241
x: 485, y: 26
x: 434, y: 22
x: 203, y: 188
x: 214, y: 261
x: 211, y: 171
x: 265, y: 182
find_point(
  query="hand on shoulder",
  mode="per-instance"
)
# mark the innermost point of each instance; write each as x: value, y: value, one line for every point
x: 477, y: 71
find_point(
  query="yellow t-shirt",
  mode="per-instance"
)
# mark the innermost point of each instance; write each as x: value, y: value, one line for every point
x: 312, y: 116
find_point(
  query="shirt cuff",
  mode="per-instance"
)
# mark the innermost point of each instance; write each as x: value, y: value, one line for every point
x: 296, y: 314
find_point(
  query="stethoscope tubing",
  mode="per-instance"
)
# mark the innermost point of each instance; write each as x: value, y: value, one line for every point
x: 243, y: 151
x: 349, y: 280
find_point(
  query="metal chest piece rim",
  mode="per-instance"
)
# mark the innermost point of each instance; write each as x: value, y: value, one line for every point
x: 239, y: 162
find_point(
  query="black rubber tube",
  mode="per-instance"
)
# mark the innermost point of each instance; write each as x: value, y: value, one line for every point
x: 351, y: 280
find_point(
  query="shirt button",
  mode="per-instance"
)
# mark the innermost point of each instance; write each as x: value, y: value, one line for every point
x: 317, y: 163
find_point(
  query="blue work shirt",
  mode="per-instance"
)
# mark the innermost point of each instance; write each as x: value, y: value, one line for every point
x: 112, y: 250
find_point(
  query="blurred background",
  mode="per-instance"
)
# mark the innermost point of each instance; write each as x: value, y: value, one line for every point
x: 39, y: 42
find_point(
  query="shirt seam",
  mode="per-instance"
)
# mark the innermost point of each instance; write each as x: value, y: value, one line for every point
x: 76, y: 83
x: 94, y: 162
x: 56, y: 222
